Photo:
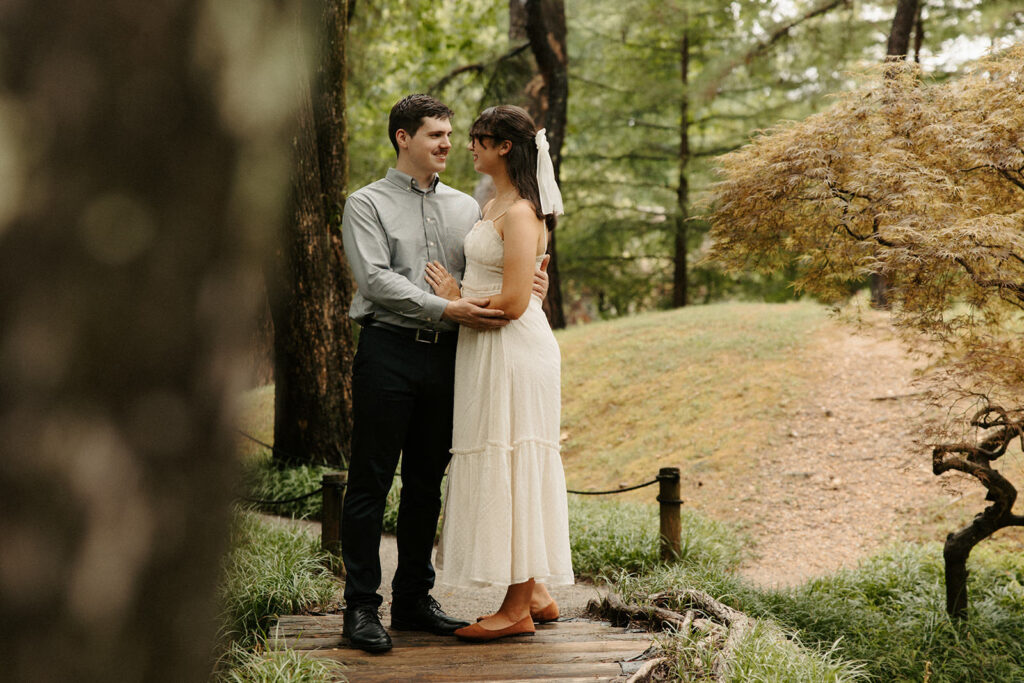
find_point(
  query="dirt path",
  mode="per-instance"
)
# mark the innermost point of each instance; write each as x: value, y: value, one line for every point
x: 841, y: 477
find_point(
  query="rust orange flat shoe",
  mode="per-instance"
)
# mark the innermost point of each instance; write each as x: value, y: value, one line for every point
x: 545, y: 614
x: 540, y: 616
x: 475, y: 633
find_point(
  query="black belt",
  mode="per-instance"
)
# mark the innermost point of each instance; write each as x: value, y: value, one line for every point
x: 418, y: 334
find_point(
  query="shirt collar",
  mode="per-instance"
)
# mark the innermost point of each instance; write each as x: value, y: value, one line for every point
x: 407, y: 182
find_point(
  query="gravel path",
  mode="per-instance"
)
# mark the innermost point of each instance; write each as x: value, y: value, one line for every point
x: 842, y: 476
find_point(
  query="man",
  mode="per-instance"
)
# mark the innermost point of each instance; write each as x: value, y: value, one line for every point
x: 403, y: 376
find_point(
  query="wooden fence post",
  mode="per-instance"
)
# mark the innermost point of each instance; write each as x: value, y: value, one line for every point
x: 330, y: 525
x: 671, y: 528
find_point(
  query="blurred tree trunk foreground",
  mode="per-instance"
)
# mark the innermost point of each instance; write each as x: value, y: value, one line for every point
x: 134, y: 210
x: 310, y: 286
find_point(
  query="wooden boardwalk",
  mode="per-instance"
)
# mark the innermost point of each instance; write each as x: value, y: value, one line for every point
x: 561, y: 651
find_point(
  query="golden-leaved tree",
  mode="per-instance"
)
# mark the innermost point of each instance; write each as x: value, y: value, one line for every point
x: 921, y: 183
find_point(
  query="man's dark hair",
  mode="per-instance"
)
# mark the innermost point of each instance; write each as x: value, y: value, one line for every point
x: 408, y: 114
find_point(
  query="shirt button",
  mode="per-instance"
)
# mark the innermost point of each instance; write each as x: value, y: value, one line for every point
x: 431, y: 244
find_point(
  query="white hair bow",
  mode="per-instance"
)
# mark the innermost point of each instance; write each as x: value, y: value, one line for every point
x: 550, y: 196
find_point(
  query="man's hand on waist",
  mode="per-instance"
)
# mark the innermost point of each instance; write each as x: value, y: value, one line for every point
x: 471, y: 313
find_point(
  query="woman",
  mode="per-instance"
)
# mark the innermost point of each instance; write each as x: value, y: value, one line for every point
x: 505, y: 520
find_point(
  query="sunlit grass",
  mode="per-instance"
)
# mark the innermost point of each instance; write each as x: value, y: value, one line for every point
x: 695, y: 388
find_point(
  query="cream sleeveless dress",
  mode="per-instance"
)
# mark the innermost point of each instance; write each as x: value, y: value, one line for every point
x: 505, y: 514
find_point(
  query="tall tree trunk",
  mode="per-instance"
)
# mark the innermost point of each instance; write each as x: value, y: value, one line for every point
x: 896, y: 49
x: 902, y: 26
x: 679, y: 276
x: 545, y: 28
x: 918, y: 33
x: 130, y: 227
x: 313, y: 338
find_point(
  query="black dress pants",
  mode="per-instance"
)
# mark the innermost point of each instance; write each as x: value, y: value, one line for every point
x: 402, y: 394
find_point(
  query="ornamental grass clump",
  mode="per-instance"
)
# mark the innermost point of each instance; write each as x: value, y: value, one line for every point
x: 271, y: 570
x: 241, y: 665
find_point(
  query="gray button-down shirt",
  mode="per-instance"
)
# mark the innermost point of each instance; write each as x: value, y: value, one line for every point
x: 391, y: 229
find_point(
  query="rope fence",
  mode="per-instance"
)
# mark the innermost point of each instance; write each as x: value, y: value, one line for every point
x: 333, y: 490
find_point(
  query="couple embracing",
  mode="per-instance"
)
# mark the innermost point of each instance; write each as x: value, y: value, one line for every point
x: 456, y: 362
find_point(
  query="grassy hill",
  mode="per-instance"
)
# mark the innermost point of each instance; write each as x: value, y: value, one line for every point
x: 696, y: 388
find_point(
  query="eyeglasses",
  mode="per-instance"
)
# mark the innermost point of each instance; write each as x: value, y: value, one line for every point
x: 477, y: 137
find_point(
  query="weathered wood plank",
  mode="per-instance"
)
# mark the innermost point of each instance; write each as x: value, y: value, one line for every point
x: 328, y: 623
x: 494, y: 671
x: 313, y: 642
x: 560, y: 651
x: 304, y: 635
x: 568, y: 651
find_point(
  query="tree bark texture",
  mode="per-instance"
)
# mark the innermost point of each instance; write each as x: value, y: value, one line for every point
x: 312, y: 285
x: 680, y: 252
x: 902, y: 26
x: 976, y: 460
x: 545, y: 28
x: 130, y: 230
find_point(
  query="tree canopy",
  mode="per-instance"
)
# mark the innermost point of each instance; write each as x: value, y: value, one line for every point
x: 923, y: 183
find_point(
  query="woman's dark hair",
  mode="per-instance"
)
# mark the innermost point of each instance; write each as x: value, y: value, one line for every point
x: 508, y: 122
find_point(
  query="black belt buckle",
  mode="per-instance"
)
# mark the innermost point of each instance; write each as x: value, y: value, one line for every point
x: 427, y: 336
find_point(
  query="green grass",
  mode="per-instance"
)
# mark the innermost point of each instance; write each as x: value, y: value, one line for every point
x: 885, y: 619
x: 271, y: 570
x: 675, y: 387
x: 609, y: 537
x: 263, y: 479
x: 698, y: 388
x: 767, y: 655
x: 890, y: 613
x: 241, y: 665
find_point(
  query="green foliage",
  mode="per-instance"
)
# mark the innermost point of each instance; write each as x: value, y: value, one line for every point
x: 767, y: 655
x: 620, y: 168
x: 889, y: 613
x: 270, y: 570
x: 408, y: 46
x: 608, y: 538
x: 240, y: 665
x: 264, y: 479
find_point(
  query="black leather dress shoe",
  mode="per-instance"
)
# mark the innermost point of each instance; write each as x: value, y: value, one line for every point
x: 363, y: 629
x: 424, y: 615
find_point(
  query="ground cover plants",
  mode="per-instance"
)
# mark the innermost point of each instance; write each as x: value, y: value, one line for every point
x: 272, y: 569
x: 882, y: 621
